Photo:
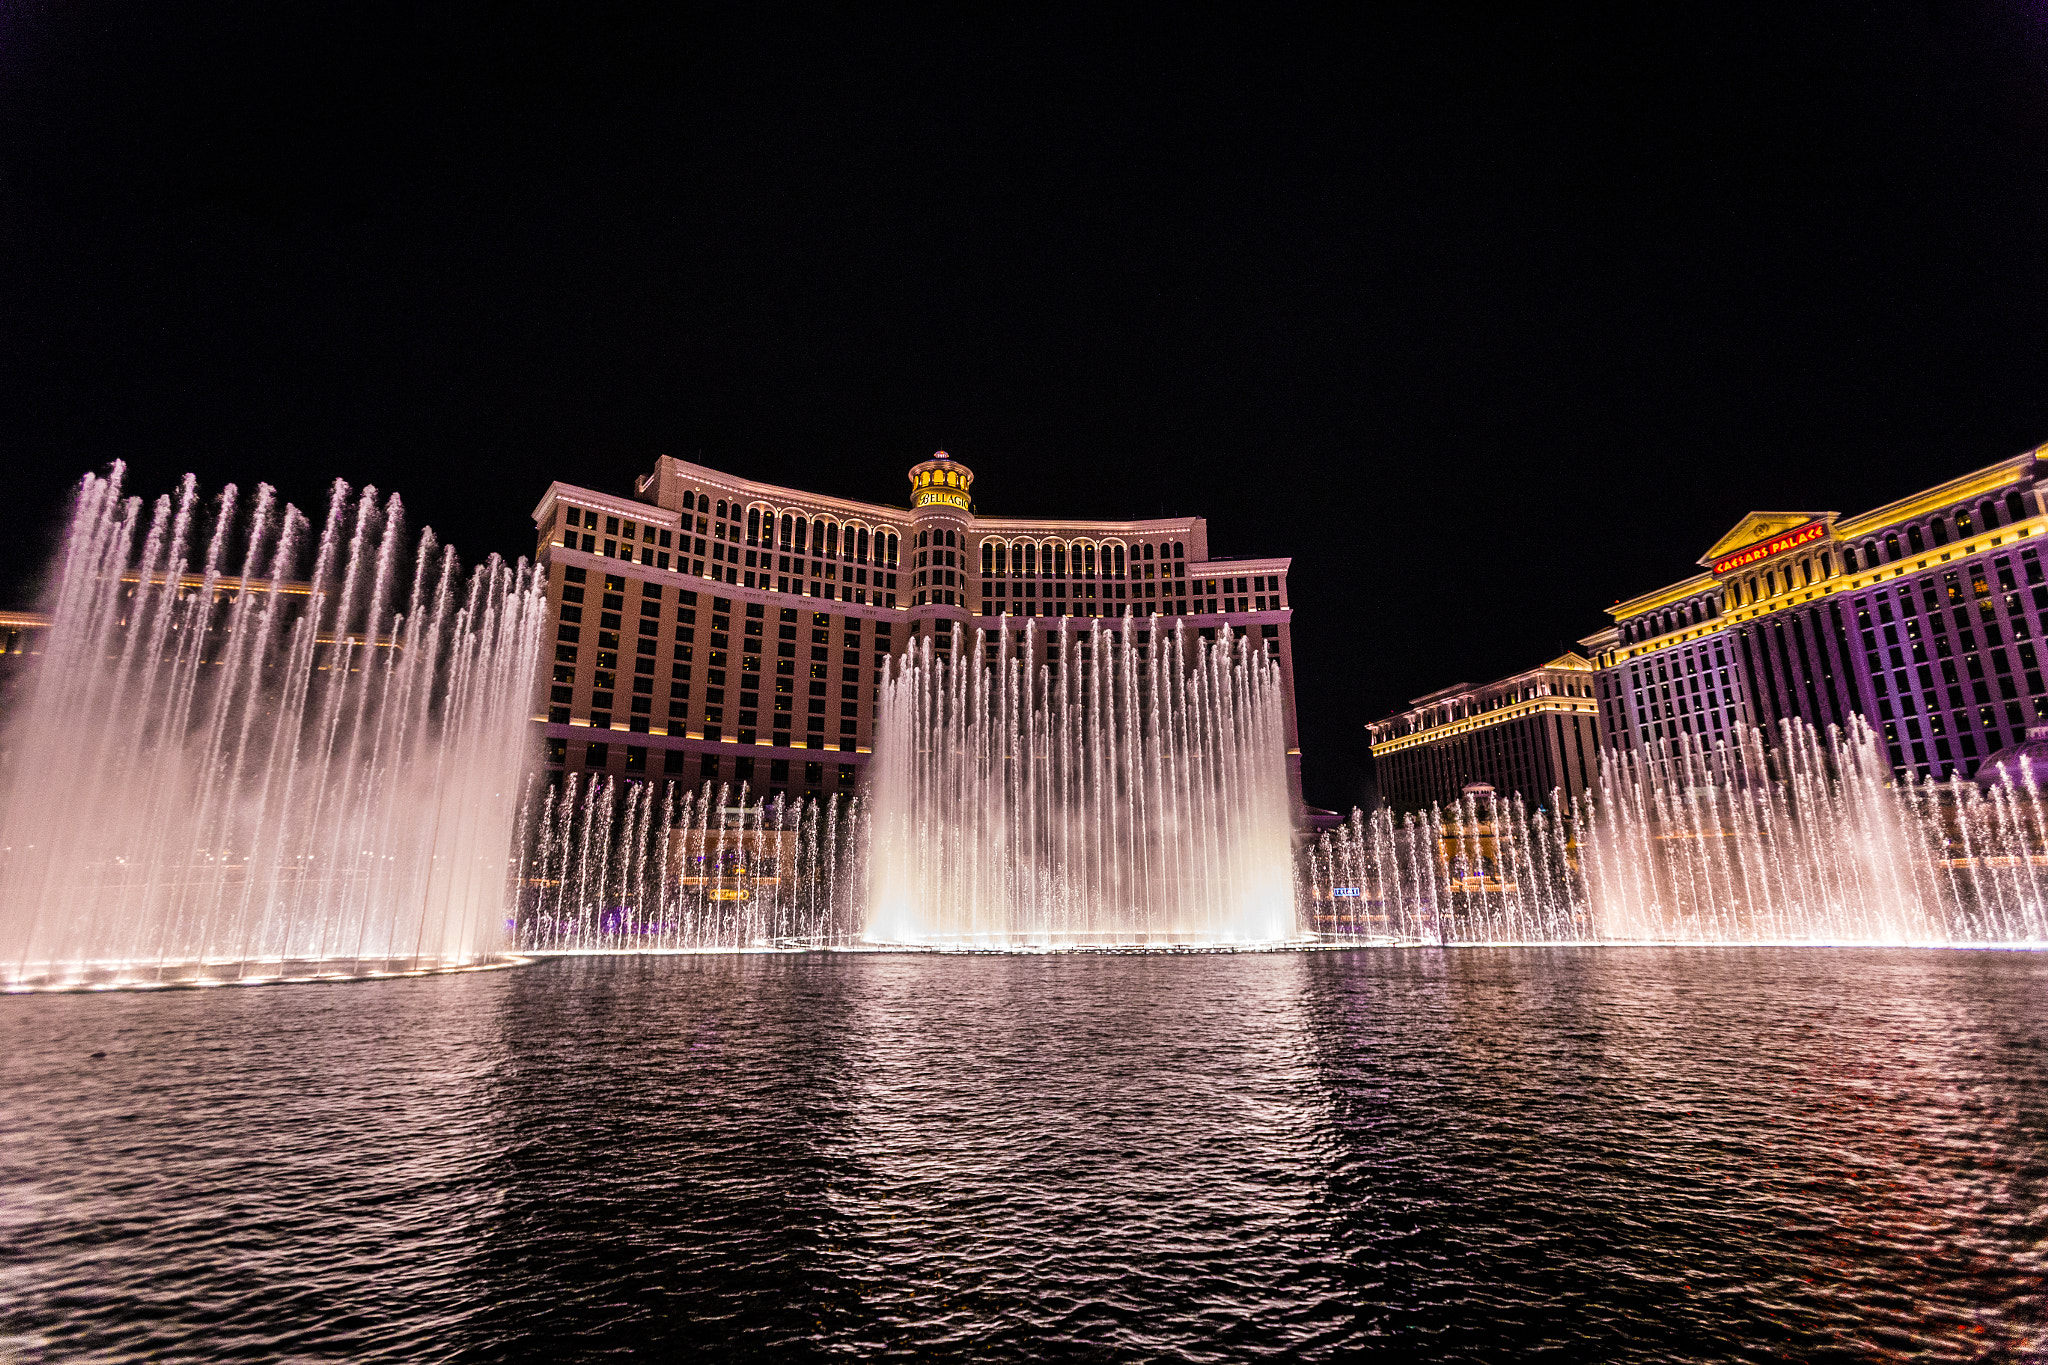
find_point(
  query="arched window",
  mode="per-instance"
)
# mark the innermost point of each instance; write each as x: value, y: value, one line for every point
x: 818, y: 536
x: 1805, y: 571
x: 803, y: 529
x: 1915, y: 539
x: 721, y: 509
x: 1713, y: 609
x: 1987, y: 515
x: 1964, y: 526
x: 1891, y: 546
x: 1938, y: 528
x: 949, y: 538
x: 1827, y: 566
x: 988, y: 557
x: 832, y: 540
x: 892, y: 549
x: 2015, y: 506
x: 1030, y: 560
x: 1849, y: 559
x: 1089, y: 553
x: 753, y: 525
x: 1148, y: 552
x: 1119, y: 561
x: 1870, y: 554
x: 1177, y: 551
x: 1059, y: 561
x: 689, y: 502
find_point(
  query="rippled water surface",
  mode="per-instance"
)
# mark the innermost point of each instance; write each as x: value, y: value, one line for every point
x: 1644, y: 1153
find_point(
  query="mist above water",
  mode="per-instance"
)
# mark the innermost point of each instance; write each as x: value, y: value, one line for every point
x: 218, y: 769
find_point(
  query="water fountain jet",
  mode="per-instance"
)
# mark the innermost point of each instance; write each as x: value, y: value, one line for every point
x: 222, y: 777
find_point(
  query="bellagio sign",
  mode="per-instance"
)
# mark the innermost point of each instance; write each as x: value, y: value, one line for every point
x: 1778, y: 544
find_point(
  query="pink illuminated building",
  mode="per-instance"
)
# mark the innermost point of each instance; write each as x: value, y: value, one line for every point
x: 717, y: 627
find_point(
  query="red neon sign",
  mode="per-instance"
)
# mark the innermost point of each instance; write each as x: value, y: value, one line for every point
x: 1764, y: 549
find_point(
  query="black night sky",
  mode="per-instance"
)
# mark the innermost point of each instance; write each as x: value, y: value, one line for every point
x: 1488, y: 320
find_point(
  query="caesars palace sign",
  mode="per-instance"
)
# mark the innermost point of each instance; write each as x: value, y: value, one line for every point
x: 1778, y: 544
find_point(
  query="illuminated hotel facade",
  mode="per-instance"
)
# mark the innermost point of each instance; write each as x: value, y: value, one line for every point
x: 1924, y: 616
x: 1521, y: 735
x: 715, y: 627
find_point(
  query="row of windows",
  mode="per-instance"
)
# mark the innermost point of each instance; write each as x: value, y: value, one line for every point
x: 1677, y: 693
x: 1948, y: 646
x: 1985, y: 518
x: 942, y: 478
x: 738, y: 772
x: 602, y: 672
x: 849, y: 543
x: 1806, y: 570
x: 830, y: 579
x: 1475, y: 704
x: 795, y: 532
x: 1086, y: 559
x: 1525, y: 757
x: 1695, y: 612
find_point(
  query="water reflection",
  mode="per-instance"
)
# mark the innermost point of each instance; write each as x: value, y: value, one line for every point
x: 668, y: 1130
x: 1056, y: 1148
x: 1684, y: 1153
x: 1696, y: 1152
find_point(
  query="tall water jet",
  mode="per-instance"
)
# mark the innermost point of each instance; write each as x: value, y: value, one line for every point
x: 1110, y: 793
x: 638, y: 866
x: 220, y: 772
x: 1809, y: 840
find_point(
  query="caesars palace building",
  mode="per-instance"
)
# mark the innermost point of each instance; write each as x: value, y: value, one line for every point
x: 1924, y: 616
x: 712, y: 627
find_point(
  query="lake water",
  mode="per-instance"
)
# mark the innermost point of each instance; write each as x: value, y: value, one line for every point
x: 1476, y: 1153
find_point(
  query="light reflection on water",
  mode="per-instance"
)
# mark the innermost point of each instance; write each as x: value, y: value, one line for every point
x: 1688, y: 1153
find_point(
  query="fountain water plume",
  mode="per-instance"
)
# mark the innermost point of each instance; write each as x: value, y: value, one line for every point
x: 643, y: 867
x: 1808, y: 841
x: 1109, y: 794
x: 216, y: 776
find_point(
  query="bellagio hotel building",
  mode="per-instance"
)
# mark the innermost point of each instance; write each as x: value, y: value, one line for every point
x: 715, y: 627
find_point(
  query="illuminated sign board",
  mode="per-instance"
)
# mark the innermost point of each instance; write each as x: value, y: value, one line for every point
x: 950, y: 499
x: 1345, y: 892
x: 1764, y: 549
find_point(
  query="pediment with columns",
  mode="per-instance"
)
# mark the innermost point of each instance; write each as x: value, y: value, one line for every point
x: 1760, y: 526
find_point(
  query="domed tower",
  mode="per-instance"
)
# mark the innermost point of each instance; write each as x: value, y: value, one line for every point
x: 942, y: 519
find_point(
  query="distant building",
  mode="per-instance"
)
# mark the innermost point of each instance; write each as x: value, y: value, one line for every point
x: 1521, y: 735
x: 716, y: 627
x: 1924, y: 616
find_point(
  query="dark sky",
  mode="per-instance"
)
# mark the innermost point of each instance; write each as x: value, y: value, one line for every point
x: 1486, y: 320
